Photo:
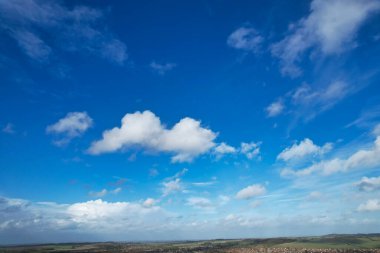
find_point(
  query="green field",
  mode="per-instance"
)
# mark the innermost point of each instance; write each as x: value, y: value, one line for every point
x: 345, y: 243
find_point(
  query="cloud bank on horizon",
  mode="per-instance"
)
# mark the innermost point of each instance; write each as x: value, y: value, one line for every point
x: 212, y: 125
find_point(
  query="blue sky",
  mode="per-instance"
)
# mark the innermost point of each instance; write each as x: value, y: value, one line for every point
x: 166, y: 120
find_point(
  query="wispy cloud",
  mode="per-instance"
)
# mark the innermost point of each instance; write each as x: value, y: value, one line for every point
x: 162, y: 68
x: 8, y: 129
x: 368, y: 118
x: 174, y: 183
x: 245, y: 38
x: 329, y: 29
x: 306, y: 102
x: 199, y: 202
x: 104, y: 192
x: 75, y: 29
x: 275, y: 108
x: 74, y: 124
x: 251, y: 191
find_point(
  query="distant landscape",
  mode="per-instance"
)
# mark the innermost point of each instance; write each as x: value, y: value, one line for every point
x: 328, y: 243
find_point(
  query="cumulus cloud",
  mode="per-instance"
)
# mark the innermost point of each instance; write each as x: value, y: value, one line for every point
x: 95, y: 216
x: 74, y: 124
x: 251, y: 191
x: 162, y: 68
x: 303, y: 149
x: 223, y: 149
x: 245, y: 38
x: 149, y: 202
x: 187, y: 139
x: 107, y: 216
x: 250, y: 150
x: 368, y: 184
x: 275, y: 108
x: 76, y: 29
x: 371, y: 205
x: 329, y: 29
x: 23, y: 221
x: 361, y: 159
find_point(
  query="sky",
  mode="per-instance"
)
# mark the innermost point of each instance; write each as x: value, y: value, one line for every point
x: 183, y: 120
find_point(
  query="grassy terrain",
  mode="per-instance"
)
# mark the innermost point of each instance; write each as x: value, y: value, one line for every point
x: 371, y: 241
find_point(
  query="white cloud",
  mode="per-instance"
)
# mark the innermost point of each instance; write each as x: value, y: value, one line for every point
x: 117, y: 190
x: 370, y: 206
x: 199, y: 202
x: 149, y: 202
x: 330, y: 28
x: 74, y: 124
x: 275, y: 108
x: 251, y: 191
x: 187, y: 139
x: 245, y: 38
x: 103, y: 215
x: 368, y: 118
x: 98, y: 194
x: 162, y: 68
x: 361, y: 159
x: 8, y: 129
x: 303, y: 149
x: 376, y: 130
x: 77, y: 29
x: 250, y: 150
x: 223, y: 149
x: 172, y: 186
x: 179, y: 173
x: 24, y: 221
x: 32, y: 45
x: 324, y: 98
x: 310, y: 102
x: 104, y: 192
x: 369, y: 184
x: 306, y: 102
x: 201, y: 184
